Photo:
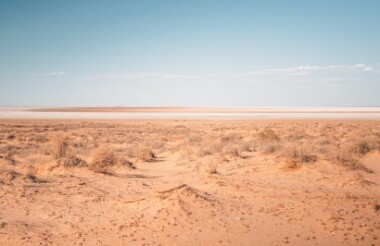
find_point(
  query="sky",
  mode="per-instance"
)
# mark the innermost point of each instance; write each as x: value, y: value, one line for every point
x: 278, y: 53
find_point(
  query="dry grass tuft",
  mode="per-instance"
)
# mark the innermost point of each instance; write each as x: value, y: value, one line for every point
x: 376, y: 206
x: 231, y: 151
x: 268, y: 134
x: 212, y: 169
x: 9, y: 155
x: 303, y: 155
x: 127, y: 163
x: 72, y: 160
x: 291, y: 165
x: 8, y: 176
x: 61, y: 152
x: 144, y: 154
x: 271, y: 147
x: 104, y: 159
x: 41, y: 139
x: 59, y: 147
x: 347, y: 159
x: 30, y: 176
x: 361, y: 148
x: 297, y: 157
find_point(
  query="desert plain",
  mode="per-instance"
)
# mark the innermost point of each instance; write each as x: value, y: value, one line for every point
x: 190, y: 182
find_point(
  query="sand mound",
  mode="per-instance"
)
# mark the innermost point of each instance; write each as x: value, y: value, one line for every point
x: 179, y: 200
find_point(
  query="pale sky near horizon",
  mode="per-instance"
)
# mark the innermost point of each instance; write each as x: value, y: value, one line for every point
x: 276, y: 53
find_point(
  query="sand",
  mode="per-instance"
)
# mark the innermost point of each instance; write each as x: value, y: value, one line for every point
x: 193, y: 182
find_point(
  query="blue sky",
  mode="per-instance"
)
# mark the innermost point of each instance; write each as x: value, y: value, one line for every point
x: 190, y: 53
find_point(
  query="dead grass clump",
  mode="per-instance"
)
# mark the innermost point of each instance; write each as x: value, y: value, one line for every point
x: 10, y: 151
x: 72, y: 160
x: 231, y: 144
x: 324, y: 141
x: 30, y: 176
x: 181, y: 147
x: 158, y: 145
x: 347, y: 159
x: 212, y: 169
x: 127, y: 163
x: 361, y: 148
x: 143, y: 154
x: 270, y: 148
x: 11, y: 136
x: 40, y: 139
x: 297, y: 157
x: 212, y: 146
x: 269, y: 134
x: 376, y: 206
x: 205, y: 150
x: 231, y: 137
x: 302, y: 155
x: 194, y: 140
x: 61, y: 152
x: 291, y: 165
x: 249, y: 145
x: 104, y: 159
x: 59, y: 147
x: 232, y: 151
x: 8, y: 176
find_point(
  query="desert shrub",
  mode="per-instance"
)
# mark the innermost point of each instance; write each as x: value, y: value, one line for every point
x: 8, y: 153
x: 72, y: 160
x: 324, y: 141
x: 297, y: 156
x: 194, y: 139
x: 211, y: 146
x: 211, y: 169
x: 11, y: 136
x: 348, y: 160
x: 269, y: 134
x: 59, y: 147
x: 158, y: 145
x: 145, y: 154
x: 11, y: 149
x: 127, y: 163
x: 8, y: 175
x: 205, y: 150
x: 248, y: 145
x: 231, y: 150
x: 64, y: 156
x: 193, y: 144
x: 30, y: 176
x: 292, y: 164
x: 361, y: 148
x: 376, y: 206
x: 270, y: 148
x: 183, y: 148
x: 231, y: 137
x: 103, y: 160
x: 41, y: 139
x: 302, y: 155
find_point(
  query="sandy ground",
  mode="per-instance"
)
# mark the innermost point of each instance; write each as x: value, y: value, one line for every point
x: 247, y: 190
